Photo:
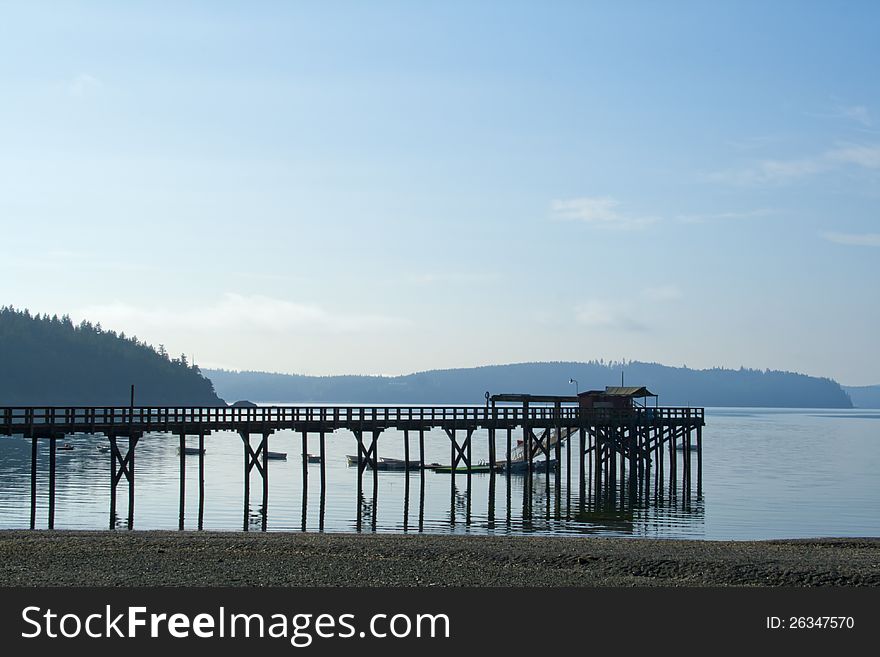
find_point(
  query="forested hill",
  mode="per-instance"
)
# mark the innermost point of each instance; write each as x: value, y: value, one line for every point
x: 51, y: 361
x: 675, y: 385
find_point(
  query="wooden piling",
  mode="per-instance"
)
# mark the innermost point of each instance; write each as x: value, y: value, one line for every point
x: 686, y: 473
x: 132, y: 443
x: 305, y: 459
x: 699, y: 462
x: 182, y: 479
x: 114, y: 451
x: 52, y: 448
x: 507, y: 463
x: 33, y: 482
x: 582, y: 451
x: 265, y: 473
x: 492, y: 449
x: 201, y: 479
x: 246, y: 439
x: 323, y: 457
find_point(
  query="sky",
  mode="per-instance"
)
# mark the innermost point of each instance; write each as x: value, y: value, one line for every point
x: 389, y: 187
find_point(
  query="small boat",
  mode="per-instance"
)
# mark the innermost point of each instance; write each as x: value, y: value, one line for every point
x: 102, y: 448
x: 191, y: 450
x: 312, y: 458
x: 386, y: 463
x: 538, y: 465
x: 481, y: 468
x: 276, y: 456
x: 66, y: 447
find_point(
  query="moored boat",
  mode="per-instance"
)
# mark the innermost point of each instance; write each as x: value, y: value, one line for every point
x: 518, y: 466
x: 480, y: 468
x: 386, y: 463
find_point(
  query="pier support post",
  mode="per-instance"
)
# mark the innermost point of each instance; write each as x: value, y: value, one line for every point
x: 699, y: 462
x: 182, y: 480
x: 507, y: 462
x: 305, y: 458
x: 52, y: 448
x: 264, y: 446
x: 598, y: 448
x: 460, y: 452
x: 33, y: 482
x: 686, y: 478
x: 201, y: 479
x: 367, y: 457
x: 132, y: 443
x: 254, y: 459
x: 122, y: 465
x: 492, y: 448
x: 323, y: 480
x: 582, y: 474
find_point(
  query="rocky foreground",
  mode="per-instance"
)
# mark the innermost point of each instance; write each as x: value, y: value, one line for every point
x: 65, y: 558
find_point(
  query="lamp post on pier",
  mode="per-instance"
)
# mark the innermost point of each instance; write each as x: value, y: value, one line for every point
x: 576, y: 386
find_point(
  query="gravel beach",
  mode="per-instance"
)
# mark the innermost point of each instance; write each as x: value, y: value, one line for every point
x: 161, y: 558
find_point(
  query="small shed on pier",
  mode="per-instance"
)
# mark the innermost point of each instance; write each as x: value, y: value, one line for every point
x: 615, y: 397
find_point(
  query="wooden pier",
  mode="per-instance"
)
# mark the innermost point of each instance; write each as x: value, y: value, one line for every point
x: 621, y: 454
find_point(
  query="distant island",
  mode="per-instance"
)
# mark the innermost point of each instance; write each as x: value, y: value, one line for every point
x: 675, y: 385
x: 52, y: 361
x: 864, y: 396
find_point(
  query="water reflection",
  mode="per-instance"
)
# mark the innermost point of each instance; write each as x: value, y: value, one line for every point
x: 767, y: 475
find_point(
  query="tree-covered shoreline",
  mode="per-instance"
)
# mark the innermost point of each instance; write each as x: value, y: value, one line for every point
x: 52, y: 361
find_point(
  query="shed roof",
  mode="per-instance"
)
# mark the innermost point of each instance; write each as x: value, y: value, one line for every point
x: 619, y: 391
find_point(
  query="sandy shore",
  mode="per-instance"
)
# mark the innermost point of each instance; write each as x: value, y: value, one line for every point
x: 63, y: 558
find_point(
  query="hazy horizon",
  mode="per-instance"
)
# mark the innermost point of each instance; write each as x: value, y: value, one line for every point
x: 387, y: 188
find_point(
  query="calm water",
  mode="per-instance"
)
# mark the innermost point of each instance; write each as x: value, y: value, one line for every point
x: 766, y: 474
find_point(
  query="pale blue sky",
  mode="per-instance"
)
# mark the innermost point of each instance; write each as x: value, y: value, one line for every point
x: 389, y: 187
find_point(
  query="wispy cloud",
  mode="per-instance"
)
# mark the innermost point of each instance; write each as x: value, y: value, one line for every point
x: 599, y: 211
x: 600, y: 314
x: 662, y: 293
x: 853, y: 239
x: 856, y: 113
x: 863, y: 155
x: 83, y: 84
x: 724, y: 216
x: 234, y: 312
x: 433, y: 278
x: 781, y: 171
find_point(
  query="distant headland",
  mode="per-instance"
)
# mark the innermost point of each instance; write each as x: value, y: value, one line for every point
x: 676, y: 385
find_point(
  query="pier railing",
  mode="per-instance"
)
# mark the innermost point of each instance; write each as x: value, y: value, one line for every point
x: 95, y: 419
